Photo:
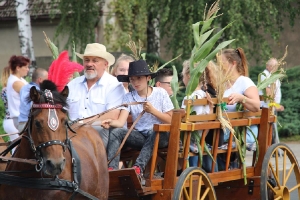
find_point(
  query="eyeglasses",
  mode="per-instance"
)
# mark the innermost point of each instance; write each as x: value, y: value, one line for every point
x: 166, y: 82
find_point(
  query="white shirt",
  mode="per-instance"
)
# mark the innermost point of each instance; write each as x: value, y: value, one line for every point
x: 277, y: 97
x: 103, y: 95
x: 241, y: 84
x: 198, y: 94
x: 13, y: 97
x: 159, y: 99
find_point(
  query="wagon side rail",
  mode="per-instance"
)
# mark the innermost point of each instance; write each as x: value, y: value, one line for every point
x: 205, y: 123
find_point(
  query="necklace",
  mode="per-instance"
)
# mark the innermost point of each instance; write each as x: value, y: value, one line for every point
x: 138, y: 94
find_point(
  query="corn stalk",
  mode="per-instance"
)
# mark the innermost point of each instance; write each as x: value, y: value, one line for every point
x: 203, y: 51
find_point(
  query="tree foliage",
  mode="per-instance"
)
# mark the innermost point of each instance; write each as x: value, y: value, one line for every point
x: 254, y: 21
x: 131, y: 19
x: 77, y: 21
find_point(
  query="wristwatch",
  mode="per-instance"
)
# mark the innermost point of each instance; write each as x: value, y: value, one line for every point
x: 244, y: 99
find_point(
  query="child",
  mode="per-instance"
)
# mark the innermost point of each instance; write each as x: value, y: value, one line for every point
x: 163, y: 80
x: 158, y: 109
x: 207, y: 83
x: 121, y: 68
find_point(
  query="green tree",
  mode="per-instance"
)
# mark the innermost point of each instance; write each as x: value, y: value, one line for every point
x: 77, y: 21
x: 254, y: 20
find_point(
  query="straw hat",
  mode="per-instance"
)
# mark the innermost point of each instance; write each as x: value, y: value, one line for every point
x: 136, y: 68
x: 99, y: 50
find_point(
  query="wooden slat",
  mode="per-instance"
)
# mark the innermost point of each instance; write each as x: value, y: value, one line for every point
x: 198, y: 118
x: 173, y: 149
x: 202, y: 102
x: 262, y: 139
x: 234, y: 174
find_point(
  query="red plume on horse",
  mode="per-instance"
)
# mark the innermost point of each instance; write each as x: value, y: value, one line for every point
x: 63, y: 163
x: 62, y: 69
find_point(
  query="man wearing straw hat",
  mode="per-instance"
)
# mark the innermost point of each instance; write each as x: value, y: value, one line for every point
x: 96, y: 91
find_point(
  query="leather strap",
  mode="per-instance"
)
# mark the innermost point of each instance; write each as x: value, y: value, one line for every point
x: 89, y: 120
x: 43, y: 184
x: 29, y: 161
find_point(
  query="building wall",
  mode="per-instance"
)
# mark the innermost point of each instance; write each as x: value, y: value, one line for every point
x: 10, y: 45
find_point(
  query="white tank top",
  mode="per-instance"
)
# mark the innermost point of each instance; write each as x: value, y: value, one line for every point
x: 13, y: 97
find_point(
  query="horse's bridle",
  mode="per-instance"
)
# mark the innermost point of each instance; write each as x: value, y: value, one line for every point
x: 37, y: 150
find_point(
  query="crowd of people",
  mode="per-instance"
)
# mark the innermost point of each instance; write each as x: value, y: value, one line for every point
x: 107, y: 83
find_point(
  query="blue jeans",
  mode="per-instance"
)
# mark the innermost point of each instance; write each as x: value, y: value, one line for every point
x: 135, y: 140
x: 206, y: 163
x: 249, y: 136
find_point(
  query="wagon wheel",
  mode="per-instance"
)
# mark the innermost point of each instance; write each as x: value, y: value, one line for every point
x: 278, y: 172
x: 194, y: 183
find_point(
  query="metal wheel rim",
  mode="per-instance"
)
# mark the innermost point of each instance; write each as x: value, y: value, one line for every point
x: 207, y: 190
x: 280, y: 191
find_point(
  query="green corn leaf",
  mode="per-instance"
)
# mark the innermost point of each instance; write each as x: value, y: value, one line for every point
x: 274, y: 76
x: 196, y: 28
x: 207, y: 23
x: 218, y: 49
x: 208, y: 45
x: 194, y: 77
x: 143, y: 55
x: 54, y: 50
x: 175, y: 88
x: 204, y: 37
x: 206, y: 149
x: 256, y: 142
x: 168, y: 62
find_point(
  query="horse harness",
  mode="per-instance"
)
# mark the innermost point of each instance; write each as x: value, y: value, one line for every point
x: 48, y: 183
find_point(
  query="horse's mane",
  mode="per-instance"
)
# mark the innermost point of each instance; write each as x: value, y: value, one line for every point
x: 57, y: 97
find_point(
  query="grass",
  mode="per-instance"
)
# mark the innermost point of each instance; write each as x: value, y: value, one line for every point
x: 293, y: 138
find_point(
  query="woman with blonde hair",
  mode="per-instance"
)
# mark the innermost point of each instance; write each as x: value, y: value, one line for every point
x: 121, y: 68
x: 206, y: 86
x: 8, y: 124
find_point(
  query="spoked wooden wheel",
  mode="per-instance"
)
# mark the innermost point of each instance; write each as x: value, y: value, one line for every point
x: 280, y: 175
x: 194, y: 184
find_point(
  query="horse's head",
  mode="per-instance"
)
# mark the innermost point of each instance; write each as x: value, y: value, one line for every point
x: 48, y: 127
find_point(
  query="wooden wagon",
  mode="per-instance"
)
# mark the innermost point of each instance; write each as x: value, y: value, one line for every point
x: 267, y: 176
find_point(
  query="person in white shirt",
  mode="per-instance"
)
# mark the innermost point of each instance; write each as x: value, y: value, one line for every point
x: 158, y: 109
x: 271, y: 67
x: 240, y: 88
x: 19, y: 66
x: 8, y: 123
x: 96, y: 91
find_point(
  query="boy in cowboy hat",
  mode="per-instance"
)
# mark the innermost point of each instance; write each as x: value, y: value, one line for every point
x: 96, y: 91
x: 158, y: 109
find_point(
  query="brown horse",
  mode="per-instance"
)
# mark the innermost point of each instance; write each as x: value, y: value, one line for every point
x: 2, y: 148
x: 46, y: 140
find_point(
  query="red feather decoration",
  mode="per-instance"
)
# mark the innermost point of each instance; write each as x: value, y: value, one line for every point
x: 61, y: 70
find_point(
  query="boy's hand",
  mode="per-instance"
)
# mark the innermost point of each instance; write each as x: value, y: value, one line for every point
x: 148, y: 107
x: 106, y: 123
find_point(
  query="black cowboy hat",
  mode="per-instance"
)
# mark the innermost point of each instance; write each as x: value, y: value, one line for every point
x: 136, y: 68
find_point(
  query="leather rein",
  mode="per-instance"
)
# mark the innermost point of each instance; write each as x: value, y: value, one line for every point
x: 56, y: 183
x: 46, y: 183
